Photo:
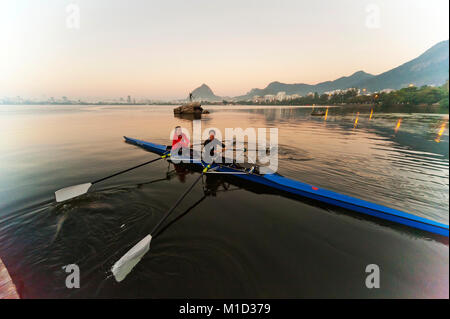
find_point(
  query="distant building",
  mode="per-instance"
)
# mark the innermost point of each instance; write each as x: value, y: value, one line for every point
x: 339, y: 91
x: 281, y: 96
x: 269, y: 98
x: 387, y: 91
x: 257, y: 99
x: 129, y: 99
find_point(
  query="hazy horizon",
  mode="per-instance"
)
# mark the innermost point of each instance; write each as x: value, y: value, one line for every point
x: 164, y: 49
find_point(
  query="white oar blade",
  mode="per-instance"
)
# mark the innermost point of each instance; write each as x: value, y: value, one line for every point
x: 125, y: 264
x: 71, y: 192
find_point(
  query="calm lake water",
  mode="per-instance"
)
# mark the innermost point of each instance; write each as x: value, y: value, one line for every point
x: 225, y: 240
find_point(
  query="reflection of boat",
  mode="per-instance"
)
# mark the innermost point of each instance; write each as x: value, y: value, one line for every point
x: 281, y: 183
x: 318, y: 113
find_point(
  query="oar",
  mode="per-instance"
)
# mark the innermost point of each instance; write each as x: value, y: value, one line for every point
x: 127, y: 262
x: 180, y: 216
x: 77, y: 190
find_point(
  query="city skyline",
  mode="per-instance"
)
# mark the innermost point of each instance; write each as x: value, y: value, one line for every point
x: 158, y: 50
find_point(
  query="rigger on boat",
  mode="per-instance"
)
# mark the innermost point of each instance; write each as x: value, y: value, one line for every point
x: 285, y: 184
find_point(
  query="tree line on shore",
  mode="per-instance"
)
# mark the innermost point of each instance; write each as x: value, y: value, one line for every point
x: 425, y: 95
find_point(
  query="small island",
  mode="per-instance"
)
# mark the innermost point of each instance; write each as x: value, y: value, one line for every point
x: 190, y: 108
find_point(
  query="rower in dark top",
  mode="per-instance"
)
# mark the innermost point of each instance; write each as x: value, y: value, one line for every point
x: 211, y: 143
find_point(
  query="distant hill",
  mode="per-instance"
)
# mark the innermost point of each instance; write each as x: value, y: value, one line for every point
x: 303, y: 89
x: 204, y: 93
x: 430, y: 68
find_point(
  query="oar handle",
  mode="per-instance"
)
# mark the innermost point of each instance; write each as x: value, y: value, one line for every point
x: 126, y: 170
x: 175, y: 205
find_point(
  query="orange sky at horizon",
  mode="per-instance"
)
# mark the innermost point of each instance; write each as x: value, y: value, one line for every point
x: 162, y: 50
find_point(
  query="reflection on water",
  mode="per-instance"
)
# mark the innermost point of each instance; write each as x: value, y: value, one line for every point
x: 441, y: 131
x: 217, y: 247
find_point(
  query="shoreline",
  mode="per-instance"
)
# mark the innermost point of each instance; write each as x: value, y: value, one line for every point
x: 222, y: 104
x: 394, y: 108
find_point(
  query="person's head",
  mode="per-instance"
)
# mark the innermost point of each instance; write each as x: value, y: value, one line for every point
x: 212, y: 134
x: 178, y: 130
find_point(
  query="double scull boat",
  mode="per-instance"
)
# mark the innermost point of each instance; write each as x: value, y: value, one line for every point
x: 284, y: 184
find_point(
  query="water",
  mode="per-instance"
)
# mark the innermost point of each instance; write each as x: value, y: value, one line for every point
x: 231, y: 240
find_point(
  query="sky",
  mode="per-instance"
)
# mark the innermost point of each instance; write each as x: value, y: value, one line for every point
x: 164, y: 49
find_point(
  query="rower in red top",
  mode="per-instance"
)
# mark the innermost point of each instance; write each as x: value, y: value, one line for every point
x: 180, y: 141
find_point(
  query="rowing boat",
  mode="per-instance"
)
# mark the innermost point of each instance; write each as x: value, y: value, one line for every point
x: 281, y: 183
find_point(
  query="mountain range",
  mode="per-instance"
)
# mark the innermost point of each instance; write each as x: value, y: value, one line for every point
x: 430, y: 68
